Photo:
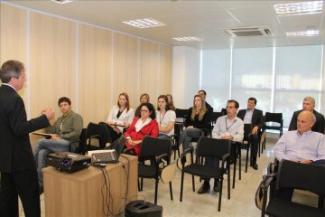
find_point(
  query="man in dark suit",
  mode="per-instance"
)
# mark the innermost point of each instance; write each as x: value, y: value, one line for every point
x: 254, y: 118
x: 309, y: 105
x: 18, y: 174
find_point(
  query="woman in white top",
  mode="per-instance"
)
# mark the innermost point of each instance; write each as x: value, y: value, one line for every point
x: 120, y: 117
x: 165, y: 117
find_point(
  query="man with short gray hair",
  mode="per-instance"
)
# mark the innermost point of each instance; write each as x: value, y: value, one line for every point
x: 309, y: 105
x: 18, y: 174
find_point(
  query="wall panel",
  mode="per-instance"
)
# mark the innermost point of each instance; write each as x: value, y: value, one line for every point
x: 149, y: 69
x: 95, y: 63
x: 52, y: 61
x: 126, y: 70
x: 165, y: 72
x: 13, y: 37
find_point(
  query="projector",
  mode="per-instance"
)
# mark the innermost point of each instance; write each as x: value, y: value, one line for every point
x: 68, y: 161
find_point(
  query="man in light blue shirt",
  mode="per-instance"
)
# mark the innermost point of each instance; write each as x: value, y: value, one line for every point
x: 228, y: 127
x: 301, y: 145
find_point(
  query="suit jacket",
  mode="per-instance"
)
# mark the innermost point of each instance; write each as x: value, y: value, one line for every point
x: 257, y: 118
x: 15, y: 148
x: 319, y: 126
x: 151, y: 129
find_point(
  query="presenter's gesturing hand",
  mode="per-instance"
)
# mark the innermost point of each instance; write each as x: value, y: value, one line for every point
x: 49, y: 113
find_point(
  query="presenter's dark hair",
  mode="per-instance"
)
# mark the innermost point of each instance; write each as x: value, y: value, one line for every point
x: 64, y: 99
x: 151, y: 109
x: 233, y: 101
x: 11, y: 69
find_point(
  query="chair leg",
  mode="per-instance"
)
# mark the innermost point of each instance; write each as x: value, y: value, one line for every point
x: 141, y: 184
x: 156, y: 191
x: 228, y: 181
x: 171, y: 190
x: 239, y: 156
x: 320, y: 202
x: 247, y: 150
x: 139, y: 187
x: 181, y: 191
x: 193, y: 183
x: 220, y: 194
x: 179, y: 154
x: 234, y: 174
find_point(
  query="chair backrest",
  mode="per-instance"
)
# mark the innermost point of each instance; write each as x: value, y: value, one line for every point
x: 181, y: 113
x: 152, y: 147
x: 82, y: 142
x: 215, y: 116
x: 92, y: 130
x: 301, y: 176
x: 273, y: 117
x: 210, y: 147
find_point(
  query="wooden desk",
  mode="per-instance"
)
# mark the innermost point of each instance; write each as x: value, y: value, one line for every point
x: 79, y: 194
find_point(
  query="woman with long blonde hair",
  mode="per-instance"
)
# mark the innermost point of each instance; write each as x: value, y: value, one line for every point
x: 197, y: 122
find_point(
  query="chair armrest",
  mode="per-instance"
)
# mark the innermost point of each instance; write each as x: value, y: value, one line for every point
x: 160, y: 157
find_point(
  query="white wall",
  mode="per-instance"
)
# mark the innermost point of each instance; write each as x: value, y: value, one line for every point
x: 186, y: 75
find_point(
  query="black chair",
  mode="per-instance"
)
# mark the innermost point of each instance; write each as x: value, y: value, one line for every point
x: 247, y: 142
x: 213, y: 120
x: 181, y: 114
x: 292, y: 175
x: 82, y: 148
x: 178, y: 128
x: 158, y: 151
x: 208, y: 147
x: 273, y: 121
x: 92, y: 133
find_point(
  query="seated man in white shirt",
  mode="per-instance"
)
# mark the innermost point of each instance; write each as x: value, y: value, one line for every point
x: 227, y: 127
x: 301, y: 145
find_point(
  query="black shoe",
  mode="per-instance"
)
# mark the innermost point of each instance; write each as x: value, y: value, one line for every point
x: 255, y: 166
x: 216, y: 187
x: 204, y: 189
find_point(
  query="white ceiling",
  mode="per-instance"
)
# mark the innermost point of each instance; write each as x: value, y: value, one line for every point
x: 203, y: 19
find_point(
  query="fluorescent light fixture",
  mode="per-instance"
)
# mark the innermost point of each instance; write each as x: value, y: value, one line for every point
x: 307, y: 33
x: 188, y: 38
x: 299, y: 8
x: 62, y: 2
x: 144, y: 23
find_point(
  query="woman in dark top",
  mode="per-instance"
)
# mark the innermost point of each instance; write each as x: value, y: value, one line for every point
x: 196, y: 123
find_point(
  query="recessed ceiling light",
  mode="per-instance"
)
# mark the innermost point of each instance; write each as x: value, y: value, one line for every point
x: 299, y: 8
x: 307, y: 33
x: 144, y: 23
x: 62, y: 2
x: 188, y: 38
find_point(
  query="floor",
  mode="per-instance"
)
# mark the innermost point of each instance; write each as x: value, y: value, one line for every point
x: 241, y: 203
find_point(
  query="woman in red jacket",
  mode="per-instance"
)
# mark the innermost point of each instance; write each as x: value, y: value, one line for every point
x: 145, y: 125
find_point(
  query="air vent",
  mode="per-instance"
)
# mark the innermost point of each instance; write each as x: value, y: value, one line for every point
x: 249, y: 32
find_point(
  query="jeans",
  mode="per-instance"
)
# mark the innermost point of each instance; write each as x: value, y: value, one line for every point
x: 46, y: 146
x: 188, y: 135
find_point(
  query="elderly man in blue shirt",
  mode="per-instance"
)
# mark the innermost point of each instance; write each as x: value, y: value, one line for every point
x: 301, y: 145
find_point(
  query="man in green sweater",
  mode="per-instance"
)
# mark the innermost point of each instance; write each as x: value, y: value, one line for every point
x: 64, y: 133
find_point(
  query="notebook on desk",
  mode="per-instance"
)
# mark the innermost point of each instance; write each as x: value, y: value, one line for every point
x: 46, y: 135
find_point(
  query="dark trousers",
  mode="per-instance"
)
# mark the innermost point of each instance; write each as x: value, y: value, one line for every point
x: 106, y: 134
x: 254, y: 147
x: 214, y: 163
x: 25, y: 184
